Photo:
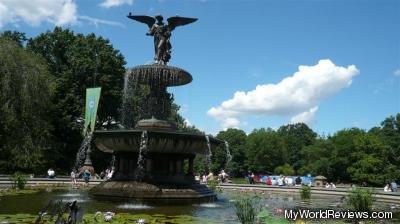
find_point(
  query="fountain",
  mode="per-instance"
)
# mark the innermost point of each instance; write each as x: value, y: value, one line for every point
x: 154, y: 160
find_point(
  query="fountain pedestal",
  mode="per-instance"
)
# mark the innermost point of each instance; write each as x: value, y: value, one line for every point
x: 154, y: 161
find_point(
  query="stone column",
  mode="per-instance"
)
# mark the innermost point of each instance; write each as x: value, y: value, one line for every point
x: 149, y: 165
x: 171, y: 167
x: 178, y: 166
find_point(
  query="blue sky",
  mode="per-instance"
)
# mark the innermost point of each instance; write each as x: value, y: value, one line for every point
x: 239, y: 45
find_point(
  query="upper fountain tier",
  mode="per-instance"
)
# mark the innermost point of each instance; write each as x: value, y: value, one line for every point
x: 161, y: 75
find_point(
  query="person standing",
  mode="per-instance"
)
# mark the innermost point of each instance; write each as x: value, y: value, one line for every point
x: 210, y: 176
x: 298, y: 181
x: 73, y: 178
x: 86, y: 177
x: 281, y: 181
x: 387, y: 188
x: 223, y: 176
x: 51, y: 173
x: 268, y: 182
x: 394, y: 186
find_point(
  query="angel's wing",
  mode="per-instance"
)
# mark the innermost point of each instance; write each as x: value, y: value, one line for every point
x: 179, y: 21
x: 143, y: 19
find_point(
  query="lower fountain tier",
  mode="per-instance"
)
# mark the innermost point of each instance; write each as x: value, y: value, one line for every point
x: 158, y: 141
x: 143, y: 190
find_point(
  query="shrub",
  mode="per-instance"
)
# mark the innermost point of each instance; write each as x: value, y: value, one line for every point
x: 305, y: 192
x: 286, y: 170
x: 247, y: 209
x: 213, y: 184
x: 19, y: 180
x: 360, y: 199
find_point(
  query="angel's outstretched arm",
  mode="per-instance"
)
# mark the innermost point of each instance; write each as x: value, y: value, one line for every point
x: 151, y: 31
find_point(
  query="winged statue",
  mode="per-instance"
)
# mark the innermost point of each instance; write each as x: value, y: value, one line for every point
x: 162, y: 33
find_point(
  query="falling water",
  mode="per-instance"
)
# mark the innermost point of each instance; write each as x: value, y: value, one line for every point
x: 142, y: 151
x: 228, y: 153
x: 209, y: 153
x: 81, y: 154
x: 112, y: 163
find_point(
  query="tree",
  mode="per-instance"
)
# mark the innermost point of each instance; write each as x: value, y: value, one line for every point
x: 390, y: 131
x: 265, y: 150
x: 77, y: 62
x: 237, y: 140
x: 16, y: 36
x: 285, y: 169
x: 26, y: 88
x: 368, y: 169
x: 343, y: 146
x: 316, y: 159
x: 296, y: 137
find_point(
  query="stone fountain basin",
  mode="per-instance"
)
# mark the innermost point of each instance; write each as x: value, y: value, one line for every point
x: 158, y: 141
x: 168, y: 75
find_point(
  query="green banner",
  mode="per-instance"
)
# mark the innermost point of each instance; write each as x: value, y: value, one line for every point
x: 92, y: 102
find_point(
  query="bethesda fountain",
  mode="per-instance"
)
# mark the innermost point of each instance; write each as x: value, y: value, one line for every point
x: 154, y: 160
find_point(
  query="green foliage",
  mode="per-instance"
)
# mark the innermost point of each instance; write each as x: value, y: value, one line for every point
x: 25, y: 91
x: 296, y: 137
x: 285, y: 169
x: 266, y: 150
x: 19, y: 180
x: 213, y: 184
x: 199, y: 165
x: 77, y: 62
x: 17, y: 37
x: 360, y: 199
x: 247, y: 208
x: 305, y: 192
x: 315, y: 159
x: 266, y: 217
x: 368, y: 169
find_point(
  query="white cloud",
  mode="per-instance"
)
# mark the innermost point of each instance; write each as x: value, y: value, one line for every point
x: 397, y: 72
x: 187, y: 123
x: 307, y: 117
x: 298, y: 95
x: 114, y: 3
x: 96, y: 22
x: 34, y: 12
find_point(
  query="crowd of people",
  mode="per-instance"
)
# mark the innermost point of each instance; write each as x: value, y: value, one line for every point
x: 85, y: 174
x: 278, y: 180
x: 222, y: 177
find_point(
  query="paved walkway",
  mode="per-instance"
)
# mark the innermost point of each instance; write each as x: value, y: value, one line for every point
x: 380, y: 195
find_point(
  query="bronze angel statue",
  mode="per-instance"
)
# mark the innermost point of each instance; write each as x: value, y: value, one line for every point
x: 162, y: 33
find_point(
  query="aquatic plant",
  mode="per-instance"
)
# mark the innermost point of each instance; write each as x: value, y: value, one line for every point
x: 360, y: 199
x: 266, y: 217
x: 19, y: 180
x: 121, y: 218
x: 305, y: 192
x: 247, y: 208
